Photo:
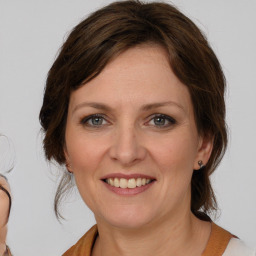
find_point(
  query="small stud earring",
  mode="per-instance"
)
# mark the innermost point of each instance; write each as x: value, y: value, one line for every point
x: 201, y: 165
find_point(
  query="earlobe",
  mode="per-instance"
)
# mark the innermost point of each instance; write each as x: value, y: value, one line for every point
x: 201, y: 164
x: 67, y: 164
x: 204, y: 151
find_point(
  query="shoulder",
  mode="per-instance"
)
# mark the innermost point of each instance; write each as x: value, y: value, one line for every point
x: 236, y: 247
x: 84, y: 246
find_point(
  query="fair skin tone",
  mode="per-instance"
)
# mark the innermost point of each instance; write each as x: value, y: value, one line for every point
x: 4, y: 209
x: 135, y: 121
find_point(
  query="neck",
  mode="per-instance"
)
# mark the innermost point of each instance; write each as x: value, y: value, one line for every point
x: 182, y: 235
x: 3, y: 233
x: 2, y: 248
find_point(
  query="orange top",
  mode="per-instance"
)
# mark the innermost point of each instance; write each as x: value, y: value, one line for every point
x: 216, y: 245
x: 218, y: 241
x: 84, y: 246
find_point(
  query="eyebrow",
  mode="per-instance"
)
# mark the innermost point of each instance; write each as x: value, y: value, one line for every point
x: 145, y: 107
x: 92, y: 105
x: 150, y: 106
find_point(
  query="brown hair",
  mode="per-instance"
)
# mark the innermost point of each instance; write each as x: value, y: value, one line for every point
x: 109, y: 32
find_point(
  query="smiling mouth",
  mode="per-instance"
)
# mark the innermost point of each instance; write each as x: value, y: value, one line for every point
x: 128, y: 183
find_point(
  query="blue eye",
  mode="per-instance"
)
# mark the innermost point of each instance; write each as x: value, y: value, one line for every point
x: 162, y: 121
x: 94, y: 120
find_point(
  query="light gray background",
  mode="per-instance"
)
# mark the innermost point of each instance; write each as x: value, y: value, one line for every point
x: 31, y: 32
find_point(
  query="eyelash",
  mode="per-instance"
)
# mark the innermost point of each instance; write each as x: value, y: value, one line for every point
x: 171, y: 121
x: 85, y: 120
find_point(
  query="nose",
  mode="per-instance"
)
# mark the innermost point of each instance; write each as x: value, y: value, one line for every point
x: 127, y: 146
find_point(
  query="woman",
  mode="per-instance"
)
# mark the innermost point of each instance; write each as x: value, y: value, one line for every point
x: 134, y: 108
x: 5, y: 207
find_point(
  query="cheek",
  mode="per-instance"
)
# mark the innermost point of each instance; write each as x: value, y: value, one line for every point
x: 4, y: 208
x: 175, y: 160
x: 175, y: 157
x: 85, y: 155
x: 176, y: 152
x: 84, y: 152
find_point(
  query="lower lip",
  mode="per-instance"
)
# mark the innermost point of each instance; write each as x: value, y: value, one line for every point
x: 128, y: 191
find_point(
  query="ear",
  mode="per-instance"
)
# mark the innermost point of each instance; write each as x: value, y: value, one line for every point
x: 205, y: 147
x: 68, y: 165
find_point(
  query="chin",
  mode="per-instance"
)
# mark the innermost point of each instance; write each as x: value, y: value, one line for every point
x: 128, y: 223
x: 127, y: 219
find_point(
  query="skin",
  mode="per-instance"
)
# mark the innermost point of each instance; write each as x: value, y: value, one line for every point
x: 4, y: 208
x: 130, y: 140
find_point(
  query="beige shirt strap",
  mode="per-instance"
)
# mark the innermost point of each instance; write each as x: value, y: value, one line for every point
x: 218, y: 241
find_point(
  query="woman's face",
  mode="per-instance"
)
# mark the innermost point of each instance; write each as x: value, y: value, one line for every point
x: 4, y: 203
x: 134, y: 124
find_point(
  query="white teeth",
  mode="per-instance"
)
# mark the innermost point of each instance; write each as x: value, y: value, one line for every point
x: 123, y: 183
x: 111, y: 182
x: 138, y: 183
x: 128, y: 183
x: 131, y: 183
x: 116, y: 182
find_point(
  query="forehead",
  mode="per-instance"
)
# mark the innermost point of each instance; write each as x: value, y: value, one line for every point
x: 140, y: 75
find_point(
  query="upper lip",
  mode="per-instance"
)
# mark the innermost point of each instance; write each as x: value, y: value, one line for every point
x: 127, y: 176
